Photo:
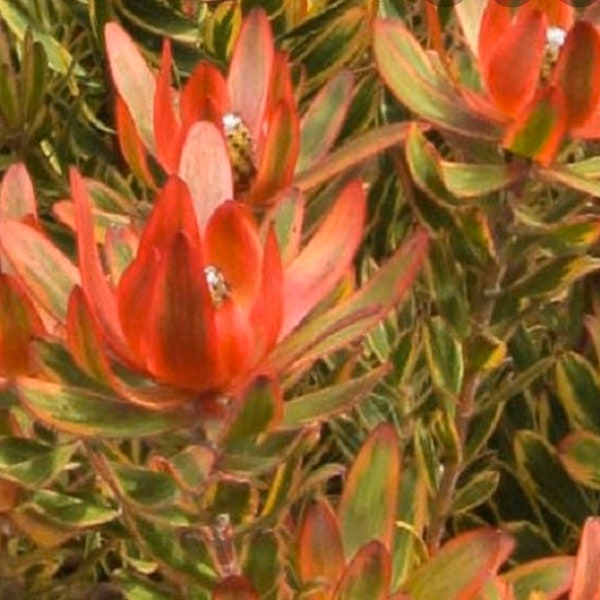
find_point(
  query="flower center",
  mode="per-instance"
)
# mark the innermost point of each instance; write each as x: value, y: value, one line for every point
x: 217, y: 285
x: 555, y: 40
x: 242, y: 153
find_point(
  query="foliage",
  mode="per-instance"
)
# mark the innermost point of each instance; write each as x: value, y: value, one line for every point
x: 299, y: 300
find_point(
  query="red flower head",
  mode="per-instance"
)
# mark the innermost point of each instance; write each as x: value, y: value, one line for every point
x: 253, y: 107
x: 194, y: 309
x: 540, y: 69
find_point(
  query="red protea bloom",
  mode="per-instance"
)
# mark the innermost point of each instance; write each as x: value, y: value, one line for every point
x: 540, y: 70
x: 194, y: 309
x: 253, y: 107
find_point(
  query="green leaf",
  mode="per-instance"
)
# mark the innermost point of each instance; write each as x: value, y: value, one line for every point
x: 476, y: 491
x: 50, y: 518
x: 322, y: 122
x: 543, y: 474
x: 447, y: 284
x: 260, y: 411
x: 59, y: 57
x: 571, y: 177
x: 444, y: 356
x: 90, y: 414
x: 579, y: 453
x: 424, y: 163
x: 424, y: 88
x: 264, y: 561
x: 368, y: 504
x: 548, y: 576
x: 551, y: 280
x: 161, y: 19
x: 190, y: 468
x: 461, y: 567
x: 275, y: 448
x: 323, y: 404
x: 136, y: 588
x: 164, y: 545
x: 351, y: 154
x: 426, y: 455
x: 146, y: 489
x: 475, y: 181
x: 578, y: 386
x: 484, y: 353
x: 30, y: 463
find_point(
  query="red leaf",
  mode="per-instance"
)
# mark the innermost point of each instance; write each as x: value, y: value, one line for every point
x: 235, y: 587
x: 512, y: 72
x: 131, y: 145
x: 267, y: 313
x: 18, y: 324
x: 577, y: 72
x: 17, y: 198
x: 205, y: 167
x: 46, y: 274
x: 279, y: 153
x: 251, y: 69
x: 167, y: 129
x: 320, y: 553
x: 367, y: 576
x: 84, y: 340
x: 97, y: 289
x: 323, y: 261
x: 586, y: 582
x: 133, y: 79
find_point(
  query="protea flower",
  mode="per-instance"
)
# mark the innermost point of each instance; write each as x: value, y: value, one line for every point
x: 198, y: 300
x: 539, y: 69
x: 253, y: 108
x: 543, y: 91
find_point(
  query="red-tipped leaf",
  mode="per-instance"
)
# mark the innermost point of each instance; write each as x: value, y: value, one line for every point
x: 279, y: 153
x: 133, y: 79
x: 96, y: 286
x: 320, y: 552
x: 367, y: 576
x: 367, y: 507
x: 17, y: 198
x: 462, y: 567
x: 586, y: 582
x: 251, y: 69
x: 46, y: 274
x: 321, y: 264
x: 18, y: 324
